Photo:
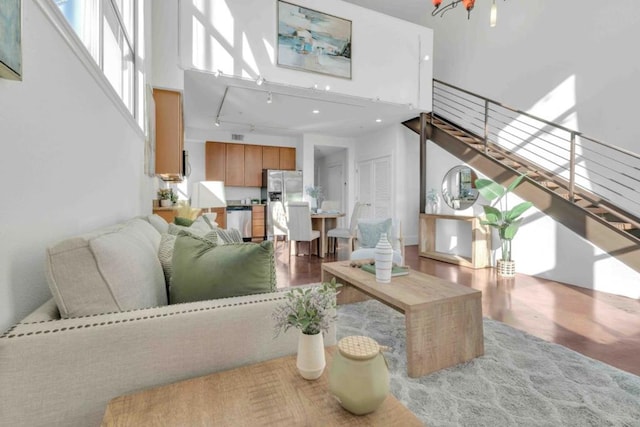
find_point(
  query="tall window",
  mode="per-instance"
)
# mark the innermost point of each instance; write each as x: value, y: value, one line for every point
x: 107, y: 29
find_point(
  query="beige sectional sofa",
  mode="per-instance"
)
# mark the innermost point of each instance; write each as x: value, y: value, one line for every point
x: 61, y: 370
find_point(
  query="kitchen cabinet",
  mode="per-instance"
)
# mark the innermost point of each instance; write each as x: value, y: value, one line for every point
x: 215, y: 160
x: 169, y: 134
x: 234, y: 164
x: 252, y: 165
x: 258, y: 229
x: 288, y: 158
x: 241, y: 165
x: 270, y: 157
x: 221, y: 218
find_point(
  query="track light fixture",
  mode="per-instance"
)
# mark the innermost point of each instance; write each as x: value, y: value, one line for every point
x: 217, y: 123
x: 468, y: 5
x: 260, y: 80
x: 269, y: 98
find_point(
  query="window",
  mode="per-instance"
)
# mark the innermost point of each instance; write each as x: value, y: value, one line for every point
x: 107, y: 28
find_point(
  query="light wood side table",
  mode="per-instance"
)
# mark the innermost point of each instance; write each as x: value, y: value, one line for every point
x: 480, y: 241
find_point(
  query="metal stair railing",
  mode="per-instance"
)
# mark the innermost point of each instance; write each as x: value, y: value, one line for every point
x: 609, y: 172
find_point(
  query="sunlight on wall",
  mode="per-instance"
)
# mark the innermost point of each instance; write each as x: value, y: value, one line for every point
x: 270, y: 50
x: 249, y: 60
x: 212, y: 35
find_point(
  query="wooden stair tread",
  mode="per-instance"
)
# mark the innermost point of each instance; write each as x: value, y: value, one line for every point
x: 622, y: 225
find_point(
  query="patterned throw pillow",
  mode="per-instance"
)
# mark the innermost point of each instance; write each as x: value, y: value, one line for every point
x: 231, y: 235
x: 369, y: 232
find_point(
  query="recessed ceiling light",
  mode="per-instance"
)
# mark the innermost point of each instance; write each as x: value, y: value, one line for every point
x: 316, y: 111
x: 427, y: 57
x: 327, y: 87
x: 378, y: 120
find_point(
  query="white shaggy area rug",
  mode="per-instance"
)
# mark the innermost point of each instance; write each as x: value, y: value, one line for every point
x: 520, y: 381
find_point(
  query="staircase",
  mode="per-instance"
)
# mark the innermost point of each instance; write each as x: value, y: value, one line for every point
x: 590, y: 187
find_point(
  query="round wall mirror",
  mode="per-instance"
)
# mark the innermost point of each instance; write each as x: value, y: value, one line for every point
x: 459, y: 187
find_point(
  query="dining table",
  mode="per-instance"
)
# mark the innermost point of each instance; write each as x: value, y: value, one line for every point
x: 323, y: 222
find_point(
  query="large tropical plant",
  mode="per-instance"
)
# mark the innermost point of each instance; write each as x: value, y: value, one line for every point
x: 498, y: 215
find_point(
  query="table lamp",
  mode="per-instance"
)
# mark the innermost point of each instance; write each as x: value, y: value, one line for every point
x: 208, y: 194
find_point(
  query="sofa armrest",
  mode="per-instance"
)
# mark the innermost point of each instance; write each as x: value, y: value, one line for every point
x: 64, y: 372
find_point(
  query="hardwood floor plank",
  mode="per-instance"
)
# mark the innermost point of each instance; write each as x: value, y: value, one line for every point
x: 599, y: 325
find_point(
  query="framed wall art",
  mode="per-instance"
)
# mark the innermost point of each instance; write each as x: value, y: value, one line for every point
x: 10, y: 39
x: 313, y: 41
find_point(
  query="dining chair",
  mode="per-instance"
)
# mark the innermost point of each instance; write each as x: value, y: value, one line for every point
x: 330, y: 206
x: 365, y: 244
x: 299, y: 225
x: 346, y: 233
x: 279, y: 226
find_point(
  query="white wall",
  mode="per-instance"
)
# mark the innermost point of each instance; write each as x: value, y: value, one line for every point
x: 71, y: 162
x: 239, y: 38
x: 542, y: 246
x: 404, y: 148
x: 536, y: 47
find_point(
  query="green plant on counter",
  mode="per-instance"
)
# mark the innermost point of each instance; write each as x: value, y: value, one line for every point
x: 506, y: 221
x: 167, y: 194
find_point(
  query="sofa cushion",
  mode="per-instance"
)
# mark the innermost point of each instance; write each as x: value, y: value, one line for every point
x: 186, y: 222
x: 203, y: 270
x: 369, y: 231
x: 111, y: 269
x: 165, y: 252
x: 231, y: 235
x: 158, y: 222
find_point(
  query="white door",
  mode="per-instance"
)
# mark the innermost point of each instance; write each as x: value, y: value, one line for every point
x: 335, y: 187
x: 375, y: 187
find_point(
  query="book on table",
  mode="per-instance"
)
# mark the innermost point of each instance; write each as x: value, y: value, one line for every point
x: 396, y: 270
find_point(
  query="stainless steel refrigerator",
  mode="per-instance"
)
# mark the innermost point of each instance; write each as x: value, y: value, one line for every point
x: 280, y: 186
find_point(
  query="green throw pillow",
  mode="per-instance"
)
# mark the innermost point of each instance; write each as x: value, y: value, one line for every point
x: 203, y: 270
x: 370, y: 232
x: 185, y: 222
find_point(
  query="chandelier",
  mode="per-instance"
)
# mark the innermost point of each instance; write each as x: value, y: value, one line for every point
x: 468, y: 5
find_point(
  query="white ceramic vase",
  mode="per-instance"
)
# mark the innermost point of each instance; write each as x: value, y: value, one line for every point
x: 384, y: 259
x: 310, y: 361
x: 165, y: 203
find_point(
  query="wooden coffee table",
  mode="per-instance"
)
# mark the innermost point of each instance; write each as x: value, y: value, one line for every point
x: 270, y: 393
x: 443, y: 319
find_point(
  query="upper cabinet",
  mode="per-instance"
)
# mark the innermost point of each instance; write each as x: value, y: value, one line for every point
x: 215, y: 161
x: 234, y: 175
x: 241, y: 165
x: 271, y: 157
x: 169, y: 135
x: 287, y: 158
x: 252, y: 165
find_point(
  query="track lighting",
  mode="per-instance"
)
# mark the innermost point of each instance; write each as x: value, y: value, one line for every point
x: 269, y: 98
x: 494, y: 14
x: 260, y: 80
x: 217, y: 123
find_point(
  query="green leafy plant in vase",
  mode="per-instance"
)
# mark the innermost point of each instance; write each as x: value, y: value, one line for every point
x: 311, y: 311
x: 499, y: 216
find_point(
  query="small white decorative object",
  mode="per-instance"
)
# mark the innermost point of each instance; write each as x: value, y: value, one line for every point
x: 165, y: 203
x: 310, y: 361
x: 433, y: 202
x: 384, y: 259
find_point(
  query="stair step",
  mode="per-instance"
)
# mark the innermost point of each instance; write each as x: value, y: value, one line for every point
x: 625, y: 226
x: 596, y: 210
x: 576, y: 197
x: 548, y: 184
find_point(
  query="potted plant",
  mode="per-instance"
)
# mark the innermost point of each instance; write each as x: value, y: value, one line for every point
x: 167, y: 197
x: 311, y: 311
x: 499, y: 216
x: 315, y: 192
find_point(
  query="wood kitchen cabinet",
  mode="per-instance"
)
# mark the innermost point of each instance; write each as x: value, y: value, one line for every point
x: 215, y: 161
x: 270, y: 157
x: 234, y: 174
x: 258, y: 229
x: 287, y: 158
x: 252, y: 165
x: 169, y: 134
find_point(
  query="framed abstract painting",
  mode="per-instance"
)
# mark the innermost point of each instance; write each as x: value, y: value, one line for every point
x: 313, y: 41
x: 10, y: 39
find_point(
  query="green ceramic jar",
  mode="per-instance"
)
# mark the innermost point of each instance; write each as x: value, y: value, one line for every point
x: 358, y: 376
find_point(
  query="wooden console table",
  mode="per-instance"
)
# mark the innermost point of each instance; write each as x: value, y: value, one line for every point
x: 480, y: 241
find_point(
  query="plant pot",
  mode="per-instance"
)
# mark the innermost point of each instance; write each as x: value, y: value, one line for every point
x: 506, y: 268
x: 310, y: 361
x: 166, y: 203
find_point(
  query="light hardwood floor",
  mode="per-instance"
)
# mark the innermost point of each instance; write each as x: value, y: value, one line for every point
x: 599, y: 325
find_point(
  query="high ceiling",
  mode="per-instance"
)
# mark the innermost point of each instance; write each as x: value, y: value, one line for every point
x: 242, y: 106
x: 245, y: 108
